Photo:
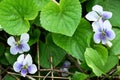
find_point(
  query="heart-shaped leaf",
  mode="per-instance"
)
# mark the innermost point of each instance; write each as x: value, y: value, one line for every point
x: 61, y: 18
x: 102, y: 51
x: 111, y: 62
x: 42, y: 3
x: 14, y: 15
x: 75, y: 45
x: 95, y: 61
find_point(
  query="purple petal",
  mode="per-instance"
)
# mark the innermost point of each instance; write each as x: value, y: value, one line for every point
x: 24, y: 38
x: 17, y: 66
x: 19, y: 48
x: 110, y: 34
x: 11, y: 41
x: 23, y: 72
x: 97, y: 37
x: 104, y: 39
x: 13, y: 50
x: 32, y: 69
x: 25, y: 47
x: 106, y: 15
x: 66, y: 64
x: 92, y: 16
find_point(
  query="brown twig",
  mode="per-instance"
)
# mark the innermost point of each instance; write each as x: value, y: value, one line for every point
x: 4, y: 70
x: 12, y: 73
x: 28, y: 76
x: 57, y: 70
x: 46, y: 75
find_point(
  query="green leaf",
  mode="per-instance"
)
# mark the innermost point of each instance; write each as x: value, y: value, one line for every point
x: 113, y: 7
x: 2, y: 49
x: 91, y: 3
x: 79, y: 76
x: 3, y: 60
x: 10, y: 58
x: 14, y: 15
x: 75, y: 45
x: 37, y: 21
x: 9, y: 77
x: 63, y: 18
x: 34, y: 36
x: 94, y: 61
x: 49, y: 49
x: 118, y: 71
x: 0, y: 0
x: 102, y: 51
x: 115, y: 50
x: 85, y: 67
x: 109, y: 5
x: 82, y: 1
x: 42, y: 3
x: 111, y: 62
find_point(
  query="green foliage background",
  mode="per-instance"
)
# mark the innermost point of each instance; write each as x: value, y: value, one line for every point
x: 61, y: 29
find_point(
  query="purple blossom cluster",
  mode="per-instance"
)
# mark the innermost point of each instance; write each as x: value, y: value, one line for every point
x: 101, y: 25
x: 24, y: 63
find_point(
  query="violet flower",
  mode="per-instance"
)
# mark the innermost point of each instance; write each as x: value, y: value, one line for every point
x: 65, y: 68
x: 64, y: 72
x: 66, y: 64
x: 97, y: 13
x: 24, y: 64
x: 19, y: 46
x: 103, y: 32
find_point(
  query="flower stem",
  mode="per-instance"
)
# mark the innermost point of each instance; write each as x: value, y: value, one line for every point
x: 51, y: 59
x: 38, y: 55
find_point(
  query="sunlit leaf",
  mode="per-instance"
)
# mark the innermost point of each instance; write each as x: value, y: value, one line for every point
x: 14, y: 15
x: 63, y: 18
x: 95, y: 62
